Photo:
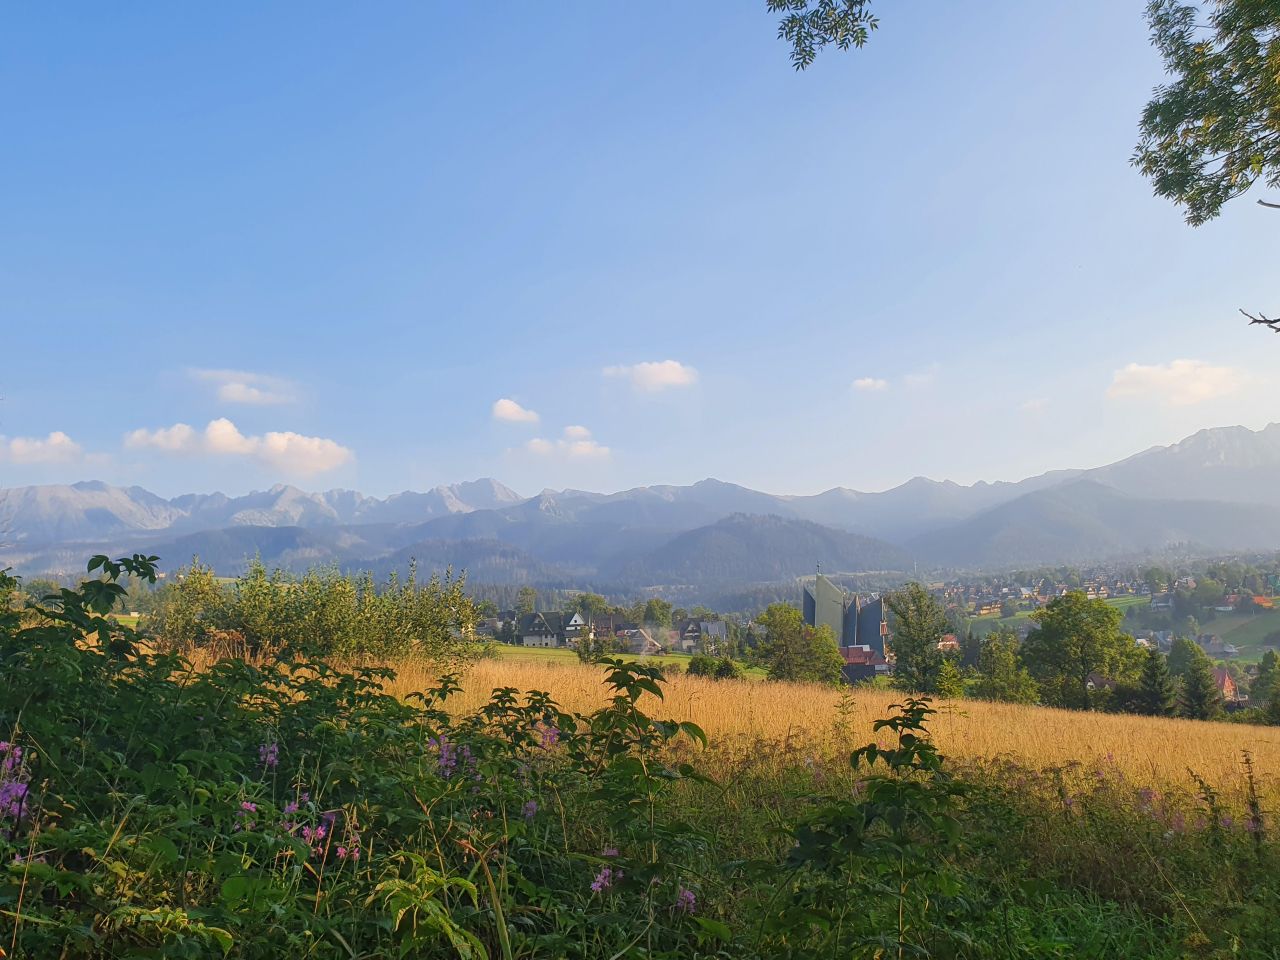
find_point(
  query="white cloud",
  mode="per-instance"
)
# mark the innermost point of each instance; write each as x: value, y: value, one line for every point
x: 512, y: 412
x: 922, y: 378
x: 246, y: 387
x: 179, y: 438
x: 1178, y: 383
x: 282, y: 450
x: 576, y: 444
x: 870, y: 384
x: 655, y: 375
x: 57, y: 447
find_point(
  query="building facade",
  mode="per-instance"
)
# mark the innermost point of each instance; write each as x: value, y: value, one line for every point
x: 854, y: 621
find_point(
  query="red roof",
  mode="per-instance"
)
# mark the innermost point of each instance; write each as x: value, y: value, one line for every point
x: 860, y: 656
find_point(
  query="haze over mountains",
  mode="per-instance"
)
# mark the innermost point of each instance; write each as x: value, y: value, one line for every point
x: 1216, y: 490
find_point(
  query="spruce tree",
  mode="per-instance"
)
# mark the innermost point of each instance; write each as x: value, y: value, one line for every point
x: 950, y: 680
x: 1157, y: 691
x: 1200, y: 698
x: 1263, y: 688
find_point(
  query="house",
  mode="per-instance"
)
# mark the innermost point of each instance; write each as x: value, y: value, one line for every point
x: 542, y: 630
x: 1226, y: 685
x: 1212, y: 645
x: 575, y: 628
x: 641, y: 643
x: 863, y: 663
x: 1096, y: 681
x: 949, y: 643
x: 692, y: 636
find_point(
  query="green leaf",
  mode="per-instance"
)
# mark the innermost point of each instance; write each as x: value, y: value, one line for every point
x: 714, y: 928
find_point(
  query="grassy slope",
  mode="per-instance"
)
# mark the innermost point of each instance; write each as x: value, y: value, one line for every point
x: 984, y: 625
x: 1150, y: 750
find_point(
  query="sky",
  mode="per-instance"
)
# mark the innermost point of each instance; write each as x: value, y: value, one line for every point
x: 599, y: 245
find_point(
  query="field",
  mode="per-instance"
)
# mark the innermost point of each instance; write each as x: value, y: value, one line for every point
x: 1247, y: 631
x: 1154, y: 751
x: 562, y: 655
x: 984, y: 625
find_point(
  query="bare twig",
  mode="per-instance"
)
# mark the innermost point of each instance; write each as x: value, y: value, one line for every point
x: 1273, y: 324
x: 1273, y: 206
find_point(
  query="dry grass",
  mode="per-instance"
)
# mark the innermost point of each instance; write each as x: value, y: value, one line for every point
x: 1149, y: 750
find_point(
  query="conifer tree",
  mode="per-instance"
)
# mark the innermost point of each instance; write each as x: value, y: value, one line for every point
x: 950, y: 680
x: 1200, y: 698
x: 1157, y: 691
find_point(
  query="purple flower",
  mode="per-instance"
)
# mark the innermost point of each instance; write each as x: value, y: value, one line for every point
x: 609, y: 852
x: 605, y: 879
x: 530, y: 809
x: 447, y: 756
x: 550, y: 736
x: 1227, y: 823
x: 291, y: 807
x: 248, y: 806
x: 13, y: 797
x: 269, y: 754
x: 685, y: 901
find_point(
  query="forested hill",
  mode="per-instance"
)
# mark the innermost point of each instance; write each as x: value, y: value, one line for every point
x: 751, y: 549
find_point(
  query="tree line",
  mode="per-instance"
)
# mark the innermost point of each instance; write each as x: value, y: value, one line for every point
x: 323, y: 612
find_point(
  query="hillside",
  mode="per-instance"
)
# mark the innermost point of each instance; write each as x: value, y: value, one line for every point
x: 1085, y: 520
x: 744, y: 548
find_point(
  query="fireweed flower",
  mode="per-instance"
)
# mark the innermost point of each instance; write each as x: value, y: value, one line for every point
x: 686, y: 902
x: 247, y: 809
x: 530, y: 809
x: 269, y: 754
x: 13, y: 797
x: 446, y: 755
x: 605, y: 879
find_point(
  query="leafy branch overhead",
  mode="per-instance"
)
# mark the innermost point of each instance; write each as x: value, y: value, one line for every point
x: 810, y: 25
x: 1214, y: 130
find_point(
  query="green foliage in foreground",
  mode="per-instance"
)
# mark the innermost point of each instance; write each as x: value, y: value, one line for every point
x: 146, y: 811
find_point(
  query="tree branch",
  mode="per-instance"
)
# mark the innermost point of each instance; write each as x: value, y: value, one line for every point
x: 1262, y: 318
x: 1273, y: 206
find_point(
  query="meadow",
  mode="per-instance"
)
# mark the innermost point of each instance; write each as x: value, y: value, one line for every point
x: 1152, y: 751
x: 186, y: 804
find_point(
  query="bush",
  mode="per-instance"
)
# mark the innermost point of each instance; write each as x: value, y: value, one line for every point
x: 727, y: 669
x: 701, y: 665
x: 717, y: 668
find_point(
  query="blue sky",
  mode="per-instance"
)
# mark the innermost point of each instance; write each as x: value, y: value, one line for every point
x: 342, y: 235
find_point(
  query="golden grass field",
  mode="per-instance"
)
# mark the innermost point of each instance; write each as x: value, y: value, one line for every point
x: 1150, y: 750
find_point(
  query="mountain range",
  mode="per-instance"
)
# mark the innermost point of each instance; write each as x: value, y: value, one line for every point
x: 1218, y: 490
